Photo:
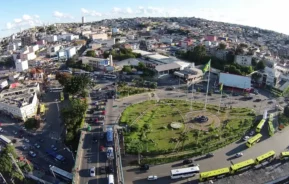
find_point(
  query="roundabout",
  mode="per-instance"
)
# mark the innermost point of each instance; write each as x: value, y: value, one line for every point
x: 170, y: 130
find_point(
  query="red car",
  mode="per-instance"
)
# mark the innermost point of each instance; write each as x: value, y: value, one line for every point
x: 101, y: 148
x: 103, y: 113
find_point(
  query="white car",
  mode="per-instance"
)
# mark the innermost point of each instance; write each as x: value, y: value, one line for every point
x: 14, y: 132
x: 25, y: 147
x: 92, y: 171
x: 246, y: 138
x: 150, y: 178
x: 239, y: 154
x: 1, y: 130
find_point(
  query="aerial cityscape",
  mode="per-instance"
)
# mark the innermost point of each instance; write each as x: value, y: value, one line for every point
x: 138, y: 94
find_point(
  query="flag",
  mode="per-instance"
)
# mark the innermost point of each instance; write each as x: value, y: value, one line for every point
x: 221, y: 87
x: 207, y: 67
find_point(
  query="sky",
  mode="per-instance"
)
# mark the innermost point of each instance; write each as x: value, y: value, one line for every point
x: 21, y: 14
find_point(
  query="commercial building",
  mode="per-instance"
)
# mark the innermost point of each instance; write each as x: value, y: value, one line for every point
x: 235, y: 81
x: 190, y: 74
x: 20, y: 102
x: 97, y: 62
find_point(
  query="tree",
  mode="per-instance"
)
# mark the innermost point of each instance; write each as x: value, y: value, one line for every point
x: 286, y: 92
x: 76, y: 84
x: 254, y: 62
x: 260, y: 65
x: 127, y: 69
x: 222, y: 46
x: 91, y: 53
x: 71, y: 62
x: 141, y: 65
x: 199, y: 52
x: 63, y: 77
x: 256, y: 76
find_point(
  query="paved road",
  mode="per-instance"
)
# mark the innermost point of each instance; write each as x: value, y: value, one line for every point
x: 91, y: 155
x: 223, y: 156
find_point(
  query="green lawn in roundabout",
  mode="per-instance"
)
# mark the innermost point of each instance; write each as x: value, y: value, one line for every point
x: 165, y: 131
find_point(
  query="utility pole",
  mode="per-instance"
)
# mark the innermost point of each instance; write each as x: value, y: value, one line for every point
x: 14, y: 162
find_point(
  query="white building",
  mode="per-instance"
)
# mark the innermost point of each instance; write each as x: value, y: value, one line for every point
x: 51, y: 38
x: 70, y: 52
x: 243, y: 60
x: 3, y: 83
x: 21, y: 65
x: 52, y: 50
x: 272, y: 76
x: 20, y: 102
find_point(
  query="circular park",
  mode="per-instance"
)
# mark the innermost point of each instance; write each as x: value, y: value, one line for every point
x: 169, y: 130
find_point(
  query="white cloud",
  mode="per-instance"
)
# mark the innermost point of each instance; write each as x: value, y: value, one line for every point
x: 25, y: 21
x: 90, y: 12
x: 61, y: 15
x: 129, y: 10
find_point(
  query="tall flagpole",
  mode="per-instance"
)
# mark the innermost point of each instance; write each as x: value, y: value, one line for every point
x: 220, y: 99
x: 208, y: 86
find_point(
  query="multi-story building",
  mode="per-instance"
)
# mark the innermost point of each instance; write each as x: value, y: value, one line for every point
x: 20, y: 102
x: 211, y: 38
x: 98, y: 36
x: 21, y: 65
x: 243, y: 60
x: 28, y: 40
x: 51, y: 38
x: 70, y: 52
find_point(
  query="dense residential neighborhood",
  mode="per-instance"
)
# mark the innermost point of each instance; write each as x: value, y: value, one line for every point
x: 83, y: 102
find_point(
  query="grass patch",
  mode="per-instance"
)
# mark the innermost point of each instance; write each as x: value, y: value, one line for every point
x: 124, y: 91
x: 149, y: 130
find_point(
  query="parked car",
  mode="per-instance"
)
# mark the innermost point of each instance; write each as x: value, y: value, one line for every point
x: 252, y: 133
x: 94, y: 139
x: 258, y: 100
x: 1, y: 130
x: 239, y: 155
x: 245, y: 138
x: 92, y: 171
x: 37, y: 145
x: 101, y: 135
x: 24, y: 148
x: 26, y: 140
x: 209, y: 155
x: 32, y: 154
x: 150, y: 178
x: 102, y: 170
x: 144, y: 167
x: 101, y: 148
x: 170, y: 88
x: 53, y: 147
x: 187, y: 161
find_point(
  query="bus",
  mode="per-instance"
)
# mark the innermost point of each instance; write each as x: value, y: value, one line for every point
x: 242, y: 166
x: 109, y: 76
x: 5, y: 140
x: 271, y: 128
x: 61, y: 173
x: 254, y: 140
x: 56, y: 156
x: 109, y: 136
x: 110, y: 179
x: 260, y: 125
x: 56, y: 90
x: 184, y: 172
x: 269, y: 156
x: 215, y: 174
x: 284, y: 155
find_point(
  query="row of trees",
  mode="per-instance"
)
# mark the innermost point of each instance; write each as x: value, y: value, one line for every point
x: 73, y: 117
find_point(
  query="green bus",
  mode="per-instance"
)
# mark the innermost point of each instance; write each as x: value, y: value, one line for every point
x: 242, y: 166
x: 269, y: 156
x: 271, y: 128
x: 89, y: 128
x: 284, y: 155
x: 254, y: 140
x: 215, y: 174
x: 260, y: 125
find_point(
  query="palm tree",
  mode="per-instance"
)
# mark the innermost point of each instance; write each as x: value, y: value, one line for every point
x: 184, y: 137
